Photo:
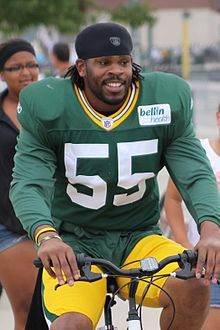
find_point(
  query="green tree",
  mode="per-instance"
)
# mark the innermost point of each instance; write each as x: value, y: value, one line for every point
x: 65, y: 15
x: 135, y: 15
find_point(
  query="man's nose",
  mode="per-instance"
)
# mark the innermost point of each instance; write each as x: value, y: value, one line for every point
x: 116, y: 69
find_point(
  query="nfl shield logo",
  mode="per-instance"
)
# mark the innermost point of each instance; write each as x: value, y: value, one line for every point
x: 116, y: 41
x: 107, y: 123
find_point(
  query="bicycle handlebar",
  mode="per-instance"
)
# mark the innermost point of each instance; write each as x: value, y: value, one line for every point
x: 148, y: 266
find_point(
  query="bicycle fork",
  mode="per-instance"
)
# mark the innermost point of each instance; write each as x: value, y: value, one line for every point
x: 109, y: 303
x: 133, y: 319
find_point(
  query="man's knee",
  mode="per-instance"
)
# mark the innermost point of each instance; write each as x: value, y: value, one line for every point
x: 191, y: 301
x: 72, y: 321
x: 193, y: 293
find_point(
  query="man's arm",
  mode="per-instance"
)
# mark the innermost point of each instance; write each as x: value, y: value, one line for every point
x: 31, y: 194
x: 32, y: 186
x: 192, y: 174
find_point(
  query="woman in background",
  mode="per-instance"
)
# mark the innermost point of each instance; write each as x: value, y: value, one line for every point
x: 18, y: 68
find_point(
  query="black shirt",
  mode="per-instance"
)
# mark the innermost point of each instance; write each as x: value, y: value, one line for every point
x: 8, y: 141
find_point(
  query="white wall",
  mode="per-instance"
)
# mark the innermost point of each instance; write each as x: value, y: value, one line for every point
x: 204, y: 28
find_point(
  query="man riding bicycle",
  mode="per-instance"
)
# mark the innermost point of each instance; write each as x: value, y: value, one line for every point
x: 85, y: 179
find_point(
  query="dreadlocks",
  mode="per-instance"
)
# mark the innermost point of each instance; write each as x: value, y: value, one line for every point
x: 75, y: 77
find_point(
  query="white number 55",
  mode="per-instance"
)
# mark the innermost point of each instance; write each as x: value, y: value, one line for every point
x: 126, y: 179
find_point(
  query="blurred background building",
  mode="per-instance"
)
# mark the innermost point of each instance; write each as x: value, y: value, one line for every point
x: 167, y: 34
x: 182, y: 37
x: 161, y: 45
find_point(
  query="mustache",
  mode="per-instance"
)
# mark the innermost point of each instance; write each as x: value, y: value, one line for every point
x: 114, y: 78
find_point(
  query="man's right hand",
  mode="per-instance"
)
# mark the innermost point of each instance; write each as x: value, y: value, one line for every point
x: 59, y: 261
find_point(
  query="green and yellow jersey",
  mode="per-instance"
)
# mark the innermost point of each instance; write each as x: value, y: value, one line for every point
x: 83, y: 171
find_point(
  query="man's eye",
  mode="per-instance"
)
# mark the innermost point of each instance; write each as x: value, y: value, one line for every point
x: 103, y: 62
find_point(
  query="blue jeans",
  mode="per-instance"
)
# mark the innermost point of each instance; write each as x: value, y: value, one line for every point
x: 215, y: 295
x: 8, y: 238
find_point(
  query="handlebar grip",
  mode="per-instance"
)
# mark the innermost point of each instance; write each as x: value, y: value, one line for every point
x: 38, y: 263
x: 80, y: 258
x: 192, y: 256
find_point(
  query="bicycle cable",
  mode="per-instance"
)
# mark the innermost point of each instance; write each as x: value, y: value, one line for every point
x: 130, y: 263
x: 142, y: 299
x: 168, y: 295
x: 140, y: 305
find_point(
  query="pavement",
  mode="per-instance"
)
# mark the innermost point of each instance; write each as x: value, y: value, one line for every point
x: 6, y: 316
x: 206, y: 99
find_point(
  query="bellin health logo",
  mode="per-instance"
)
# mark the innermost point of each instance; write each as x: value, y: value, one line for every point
x: 154, y: 114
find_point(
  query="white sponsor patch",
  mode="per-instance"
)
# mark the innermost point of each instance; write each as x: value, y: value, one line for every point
x: 154, y: 114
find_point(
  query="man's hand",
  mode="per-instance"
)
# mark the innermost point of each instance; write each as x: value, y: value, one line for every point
x: 209, y: 252
x: 57, y: 254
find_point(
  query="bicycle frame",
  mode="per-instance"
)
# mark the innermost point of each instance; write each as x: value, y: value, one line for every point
x: 133, y: 320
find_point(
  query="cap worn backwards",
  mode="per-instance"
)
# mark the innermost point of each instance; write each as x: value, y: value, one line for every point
x: 103, y: 39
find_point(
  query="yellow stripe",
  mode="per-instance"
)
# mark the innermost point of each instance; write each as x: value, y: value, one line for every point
x: 85, y: 108
x: 115, y: 114
x: 117, y: 122
x: 128, y: 112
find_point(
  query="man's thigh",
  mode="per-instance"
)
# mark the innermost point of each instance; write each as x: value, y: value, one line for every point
x: 83, y: 297
x: 158, y: 247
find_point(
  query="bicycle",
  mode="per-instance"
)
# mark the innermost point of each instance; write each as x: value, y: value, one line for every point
x: 146, y: 272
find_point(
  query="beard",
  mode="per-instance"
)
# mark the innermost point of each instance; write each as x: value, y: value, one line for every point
x: 98, y: 91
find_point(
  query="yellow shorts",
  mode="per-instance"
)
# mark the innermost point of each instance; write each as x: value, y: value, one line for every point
x: 89, y: 298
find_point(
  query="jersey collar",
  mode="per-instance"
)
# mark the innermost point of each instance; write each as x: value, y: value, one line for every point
x: 110, y: 122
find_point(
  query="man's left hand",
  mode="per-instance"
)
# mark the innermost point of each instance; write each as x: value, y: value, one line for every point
x: 208, y: 252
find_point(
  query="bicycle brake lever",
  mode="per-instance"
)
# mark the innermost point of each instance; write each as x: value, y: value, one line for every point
x: 92, y: 278
x: 186, y: 271
x: 89, y: 276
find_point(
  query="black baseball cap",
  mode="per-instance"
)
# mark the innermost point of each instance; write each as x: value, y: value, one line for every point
x: 103, y: 39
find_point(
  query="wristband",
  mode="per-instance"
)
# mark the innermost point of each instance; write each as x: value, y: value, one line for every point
x: 47, y: 238
x: 43, y: 230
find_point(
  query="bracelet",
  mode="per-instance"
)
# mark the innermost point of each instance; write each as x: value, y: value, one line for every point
x: 43, y: 230
x: 46, y: 238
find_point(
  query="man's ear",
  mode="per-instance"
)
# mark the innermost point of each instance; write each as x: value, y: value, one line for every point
x: 81, y: 67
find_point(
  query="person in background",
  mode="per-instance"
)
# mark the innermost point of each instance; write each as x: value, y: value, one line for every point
x: 187, y: 233
x: 60, y: 58
x: 18, y: 68
x: 85, y: 180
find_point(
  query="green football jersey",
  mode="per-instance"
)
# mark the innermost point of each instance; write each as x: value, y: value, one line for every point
x: 81, y: 170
